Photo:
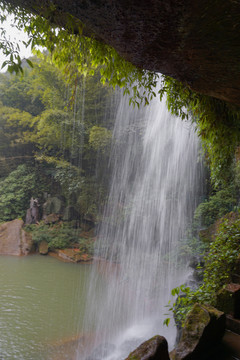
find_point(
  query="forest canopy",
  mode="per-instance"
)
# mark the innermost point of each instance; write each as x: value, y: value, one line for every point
x: 50, y: 141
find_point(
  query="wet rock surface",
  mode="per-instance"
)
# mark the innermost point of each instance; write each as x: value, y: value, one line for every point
x: 196, y: 42
x: 202, y: 333
x: 228, y: 300
x: 43, y: 248
x: 154, y: 349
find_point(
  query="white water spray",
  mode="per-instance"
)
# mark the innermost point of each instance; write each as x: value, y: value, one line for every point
x: 151, y: 202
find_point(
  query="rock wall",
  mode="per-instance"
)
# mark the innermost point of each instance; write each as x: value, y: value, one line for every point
x: 196, y: 42
x: 13, y: 239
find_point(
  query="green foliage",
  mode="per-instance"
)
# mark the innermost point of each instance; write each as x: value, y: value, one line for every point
x: 219, y: 204
x: 53, y: 131
x: 57, y: 236
x: 91, y: 198
x: 181, y: 306
x: 191, y: 247
x: 16, y: 191
x: 60, y: 236
x: 100, y: 139
x: 86, y: 246
x: 54, y: 134
x: 217, y: 124
x: 14, y: 125
x: 68, y: 176
x: 220, y: 262
x: 20, y: 93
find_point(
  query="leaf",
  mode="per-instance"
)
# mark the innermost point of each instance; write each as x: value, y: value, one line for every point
x: 166, y: 321
x: 4, y: 64
x: 29, y: 63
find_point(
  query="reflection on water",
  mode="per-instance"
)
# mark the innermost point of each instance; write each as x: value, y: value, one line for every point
x: 42, y: 304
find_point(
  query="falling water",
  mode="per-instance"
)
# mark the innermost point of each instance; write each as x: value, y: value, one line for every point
x: 150, y: 206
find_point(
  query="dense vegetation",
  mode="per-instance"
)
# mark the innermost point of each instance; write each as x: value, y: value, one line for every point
x: 52, y: 134
x: 218, y: 266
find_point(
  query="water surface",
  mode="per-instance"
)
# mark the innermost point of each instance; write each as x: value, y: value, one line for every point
x: 42, y: 302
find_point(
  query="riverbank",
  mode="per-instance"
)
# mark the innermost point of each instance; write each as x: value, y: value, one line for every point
x: 16, y: 241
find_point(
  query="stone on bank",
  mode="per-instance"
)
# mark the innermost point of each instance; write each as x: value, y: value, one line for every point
x: 14, y: 240
x: 202, y: 332
x: 155, y: 348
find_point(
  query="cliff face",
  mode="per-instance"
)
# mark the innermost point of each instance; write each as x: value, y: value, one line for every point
x: 196, y: 42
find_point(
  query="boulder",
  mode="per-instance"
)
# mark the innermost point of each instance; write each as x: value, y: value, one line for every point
x: 203, y: 330
x: 27, y: 245
x: 228, y: 300
x: 14, y: 240
x: 51, y: 219
x: 43, y: 247
x: 155, y: 348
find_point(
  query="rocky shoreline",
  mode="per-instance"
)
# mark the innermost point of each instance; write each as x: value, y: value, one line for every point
x: 15, y: 241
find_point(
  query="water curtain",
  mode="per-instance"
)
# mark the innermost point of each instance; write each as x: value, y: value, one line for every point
x: 154, y: 186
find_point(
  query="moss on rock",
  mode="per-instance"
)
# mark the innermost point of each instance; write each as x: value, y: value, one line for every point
x: 203, y: 329
x: 155, y: 348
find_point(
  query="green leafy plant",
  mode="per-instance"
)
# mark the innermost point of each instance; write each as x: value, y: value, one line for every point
x: 86, y: 246
x: 59, y: 236
x: 100, y: 139
x: 220, y: 262
x: 219, y: 204
x: 216, y: 123
x: 180, y: 305
x: 16, y: 191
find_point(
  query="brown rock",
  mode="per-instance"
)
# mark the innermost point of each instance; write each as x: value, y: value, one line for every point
x: 228, y: 300
x: 203, y: 329
x: 43, y: 247
x: 70, y: 255
x: 154, y: 349
x: 27, y: 243
x: 14, y: 240
x: 51, y: 219
x: 196, y: 42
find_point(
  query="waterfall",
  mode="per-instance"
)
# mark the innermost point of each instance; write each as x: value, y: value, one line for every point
x: 154, y: 182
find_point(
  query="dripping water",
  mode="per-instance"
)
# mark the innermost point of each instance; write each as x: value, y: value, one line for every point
x: 152, y: 196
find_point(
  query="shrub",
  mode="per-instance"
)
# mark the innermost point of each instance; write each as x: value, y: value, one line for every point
x: 220, y: 262
x: 60, y: 236
x: 215, y: 207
